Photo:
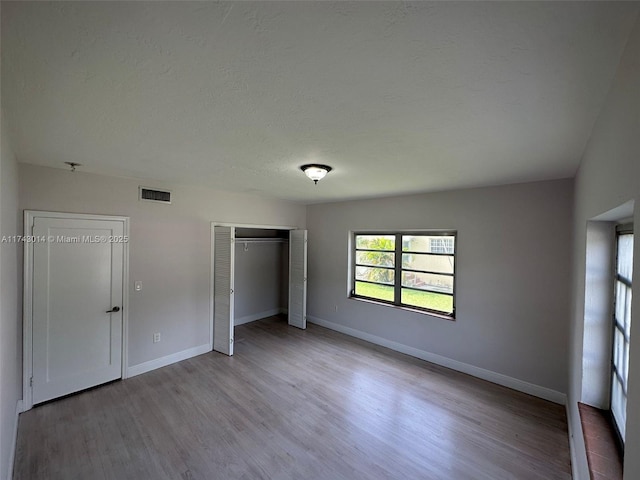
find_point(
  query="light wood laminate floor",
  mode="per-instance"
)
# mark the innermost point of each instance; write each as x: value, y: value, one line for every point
x: 293, y: 404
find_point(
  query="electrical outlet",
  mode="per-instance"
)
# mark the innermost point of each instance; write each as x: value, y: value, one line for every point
x: 156, y: 337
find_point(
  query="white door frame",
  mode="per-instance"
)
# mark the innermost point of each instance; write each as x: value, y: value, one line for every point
x: 212, y: 277
x: 27, y: 305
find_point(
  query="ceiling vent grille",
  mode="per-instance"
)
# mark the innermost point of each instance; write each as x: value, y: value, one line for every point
x: 151, y: 195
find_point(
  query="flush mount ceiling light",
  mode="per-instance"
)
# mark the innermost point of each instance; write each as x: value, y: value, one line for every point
x: 315, y: 171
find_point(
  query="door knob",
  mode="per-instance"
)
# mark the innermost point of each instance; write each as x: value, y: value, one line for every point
x: 113, y: 310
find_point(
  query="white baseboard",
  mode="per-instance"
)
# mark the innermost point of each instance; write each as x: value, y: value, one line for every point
x: 256, y: 316
x: 14, y: 442
x: 500, y: 379
x: 168, y: 360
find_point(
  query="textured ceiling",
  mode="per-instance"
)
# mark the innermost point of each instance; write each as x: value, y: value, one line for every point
x: 397, y: 97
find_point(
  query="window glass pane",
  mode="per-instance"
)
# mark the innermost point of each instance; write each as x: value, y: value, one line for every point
x: 384, y: 259
x: 627, y: 313
x: 623, y: 414
x: 381, y: 292
x: 625, y: 365
x: 618, y: 351
x: 621, y: 302
x: 378, y: 275
x: 625, y: 256
x: 376, y: 242
x: 428, y: 243
x: 428, y: 281
x: 432, y: 301
x: 618, y: 405
x: 431, y: 263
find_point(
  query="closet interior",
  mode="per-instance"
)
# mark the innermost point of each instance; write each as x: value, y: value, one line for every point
x: 261, y: 284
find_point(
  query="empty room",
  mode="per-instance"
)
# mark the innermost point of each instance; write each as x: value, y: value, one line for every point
x: 319, y: 240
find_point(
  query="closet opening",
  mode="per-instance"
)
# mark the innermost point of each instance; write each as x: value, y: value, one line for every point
x: 261, y: 274
x: 257, y: 272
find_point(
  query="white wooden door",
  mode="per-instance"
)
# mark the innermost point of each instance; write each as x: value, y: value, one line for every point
x: 298, y: 278
x: 223, y: 262
x: 77, y: 305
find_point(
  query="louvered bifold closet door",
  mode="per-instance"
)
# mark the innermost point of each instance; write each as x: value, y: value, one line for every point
x: 298, y: 278
x: 223, y: 248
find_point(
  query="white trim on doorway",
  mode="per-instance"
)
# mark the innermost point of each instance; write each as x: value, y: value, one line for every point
x: 27, y: 316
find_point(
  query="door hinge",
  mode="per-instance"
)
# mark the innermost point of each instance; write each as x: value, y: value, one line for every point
x: 31, y: 382
x: 230, y: 341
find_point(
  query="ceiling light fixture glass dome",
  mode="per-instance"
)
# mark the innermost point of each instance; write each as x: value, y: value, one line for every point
x: 315, y: 171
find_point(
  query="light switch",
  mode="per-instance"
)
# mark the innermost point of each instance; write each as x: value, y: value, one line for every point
x: 137, y: 286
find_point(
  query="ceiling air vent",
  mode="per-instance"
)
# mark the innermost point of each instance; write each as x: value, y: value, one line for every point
x: 161, y: 196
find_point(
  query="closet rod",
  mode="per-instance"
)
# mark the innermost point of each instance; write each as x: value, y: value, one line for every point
x: 260, y: 240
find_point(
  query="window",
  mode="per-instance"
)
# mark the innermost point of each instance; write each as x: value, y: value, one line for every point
x: 415, y: 270
x: 621, y: 327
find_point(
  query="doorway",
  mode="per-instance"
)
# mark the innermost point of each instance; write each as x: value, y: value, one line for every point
x: 261, y: 274
x: 264, y: 285
x: 75, y: 303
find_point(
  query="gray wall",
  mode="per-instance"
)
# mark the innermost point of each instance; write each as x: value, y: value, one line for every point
x: 170, y: 246
x: 609, y: 176
x: 259, y: 280
x: 513, y: 276
x: 10, y: 303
